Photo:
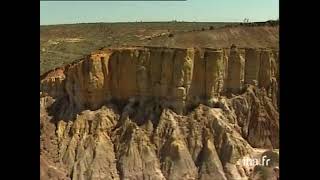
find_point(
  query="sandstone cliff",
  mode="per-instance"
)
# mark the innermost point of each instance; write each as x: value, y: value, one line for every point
x: 159, y: 113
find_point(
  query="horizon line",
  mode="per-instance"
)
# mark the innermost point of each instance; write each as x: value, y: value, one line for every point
x: 171, y: 21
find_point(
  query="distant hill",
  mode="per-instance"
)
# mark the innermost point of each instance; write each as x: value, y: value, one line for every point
x: 61, y: 44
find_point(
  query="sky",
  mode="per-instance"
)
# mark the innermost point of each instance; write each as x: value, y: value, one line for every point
x: 70, y: 12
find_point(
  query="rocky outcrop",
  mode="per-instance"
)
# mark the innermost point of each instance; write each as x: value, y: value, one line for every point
x: 252, y: 66
x: 158, y: 113
x: 265, y: 70
x: 179, y: 77
x: 236, y: 65
x: 257, y: 117
x: 103, y: 145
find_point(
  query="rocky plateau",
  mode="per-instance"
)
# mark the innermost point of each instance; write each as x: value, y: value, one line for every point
x: 156, y: 113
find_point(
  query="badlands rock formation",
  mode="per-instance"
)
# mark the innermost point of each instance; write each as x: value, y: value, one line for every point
x: 159, y: 113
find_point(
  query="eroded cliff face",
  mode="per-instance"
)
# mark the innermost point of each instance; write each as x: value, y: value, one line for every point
x: 159, y: 113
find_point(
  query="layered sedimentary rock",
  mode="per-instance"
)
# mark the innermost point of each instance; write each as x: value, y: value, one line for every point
x: 252, y: 65
x: 235, y: 78
x: 265, y: 69
x: 179, y: 77
x: 158, y: 113
x: 257, y: 117
x: 214, y: 72
x: 208, y: 76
